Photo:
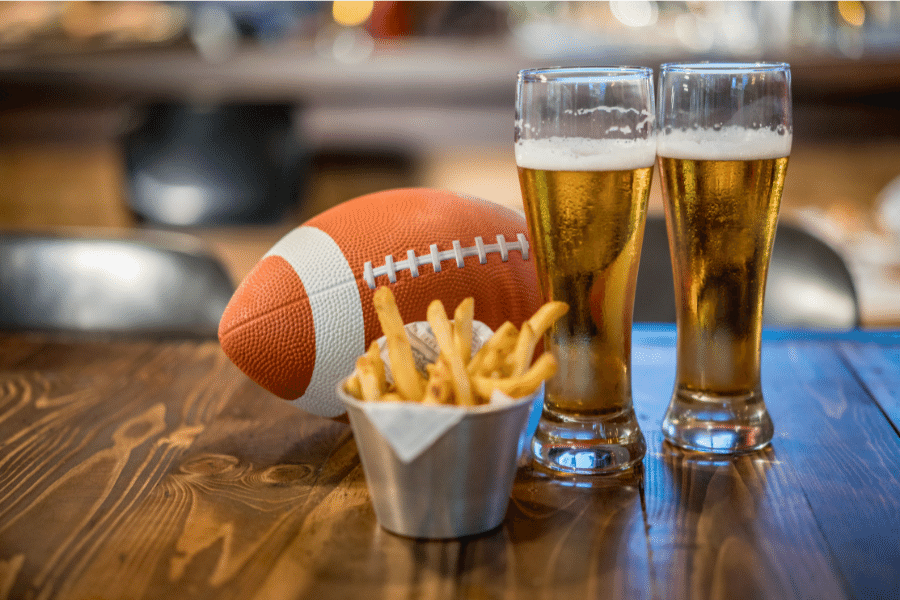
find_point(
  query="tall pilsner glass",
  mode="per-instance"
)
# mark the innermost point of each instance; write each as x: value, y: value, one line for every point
x: 725, y: 134
x: 585, y: 148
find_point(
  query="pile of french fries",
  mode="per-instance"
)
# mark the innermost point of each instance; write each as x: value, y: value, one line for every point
x: 457, y: 377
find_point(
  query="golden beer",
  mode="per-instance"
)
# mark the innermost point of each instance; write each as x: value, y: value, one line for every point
x: 724, y: 135
x: 721, y: 216
x: 585, y: 146
x: 586, y: 232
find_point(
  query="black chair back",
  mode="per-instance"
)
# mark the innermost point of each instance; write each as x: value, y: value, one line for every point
x: 809, y: 284
x: 134, y: 283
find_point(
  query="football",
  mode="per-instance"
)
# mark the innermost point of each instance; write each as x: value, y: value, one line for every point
x: 302, y: 316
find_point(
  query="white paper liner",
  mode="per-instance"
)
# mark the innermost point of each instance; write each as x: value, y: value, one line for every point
x: 410, y: 428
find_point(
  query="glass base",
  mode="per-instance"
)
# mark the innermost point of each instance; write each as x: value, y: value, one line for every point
x: 717, y: 424
x: 588, y: 445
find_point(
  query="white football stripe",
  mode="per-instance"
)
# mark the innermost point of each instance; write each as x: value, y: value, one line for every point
x: 336, y: 312
x: 435, y: 257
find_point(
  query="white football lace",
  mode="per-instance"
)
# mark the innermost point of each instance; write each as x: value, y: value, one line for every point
x: 435, y: 257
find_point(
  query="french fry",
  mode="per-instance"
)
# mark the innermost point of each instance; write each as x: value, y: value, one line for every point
x: 439, y: 389
x: 366, y: 372
x: 462, y: 328
x: 437, y: 368
x: 407, y: 380
x: 492, y: 362
x: 457, y: 376
x: 352, y: 387
x: 368, y: 381
x: 520, y: 358
x: 532, y: 331
x: 374, y: 356
x: 502, y: 339
x: 517, y: 387
x: 546, y: 315
x: 443, y: 333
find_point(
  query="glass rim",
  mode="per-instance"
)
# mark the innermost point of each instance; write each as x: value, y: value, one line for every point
x: 723, y: 68
x: 566, y: 74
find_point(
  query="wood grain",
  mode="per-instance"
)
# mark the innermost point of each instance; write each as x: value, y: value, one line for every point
x: 878, y: 369
x: 723, y: 527
x: 847, y: 459
x: 154, y: 469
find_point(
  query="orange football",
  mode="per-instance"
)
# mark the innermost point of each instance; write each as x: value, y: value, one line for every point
x: 303, y: 315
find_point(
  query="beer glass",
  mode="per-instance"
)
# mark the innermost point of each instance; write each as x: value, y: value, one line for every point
x: 724, y: 138
x: 585, y: 144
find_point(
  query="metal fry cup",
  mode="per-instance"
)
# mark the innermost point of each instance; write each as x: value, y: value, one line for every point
x: 453, y: 485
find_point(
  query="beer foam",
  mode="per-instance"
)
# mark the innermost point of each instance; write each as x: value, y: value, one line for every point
x: 585, y: 154
x: 727, y: 143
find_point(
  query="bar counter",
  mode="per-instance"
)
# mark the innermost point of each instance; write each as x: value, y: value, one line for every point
x: 155, y: 469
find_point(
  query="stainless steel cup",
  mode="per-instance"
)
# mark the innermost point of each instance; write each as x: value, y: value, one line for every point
x: 458, y: 486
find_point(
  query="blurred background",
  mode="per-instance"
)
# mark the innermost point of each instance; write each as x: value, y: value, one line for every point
x: 236, y: 121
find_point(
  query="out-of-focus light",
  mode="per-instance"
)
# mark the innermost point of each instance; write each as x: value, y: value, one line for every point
x: 352, y: 46
x: 214, y: 33
x: 742, y: 36
x: 349, y: 45
x: 640, y: 13
x: 351, y: 14
x: 888, y: 203
x: 852, y: 12
x: 850, y: 42
x: 880, y: 13
x: 692, y: 35
x: 737, y: 28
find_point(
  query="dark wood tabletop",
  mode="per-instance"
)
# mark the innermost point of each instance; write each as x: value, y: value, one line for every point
x: 155, y: 469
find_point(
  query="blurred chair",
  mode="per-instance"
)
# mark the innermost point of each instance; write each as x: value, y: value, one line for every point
x: 141, y: 283
x: 190, y: 164
x: 809, y: 285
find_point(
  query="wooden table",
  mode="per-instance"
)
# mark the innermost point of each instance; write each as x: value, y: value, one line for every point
x: 155, y: 469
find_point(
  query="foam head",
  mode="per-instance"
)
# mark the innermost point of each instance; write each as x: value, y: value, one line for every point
x: 584, y: 154
x: 727, y: 143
